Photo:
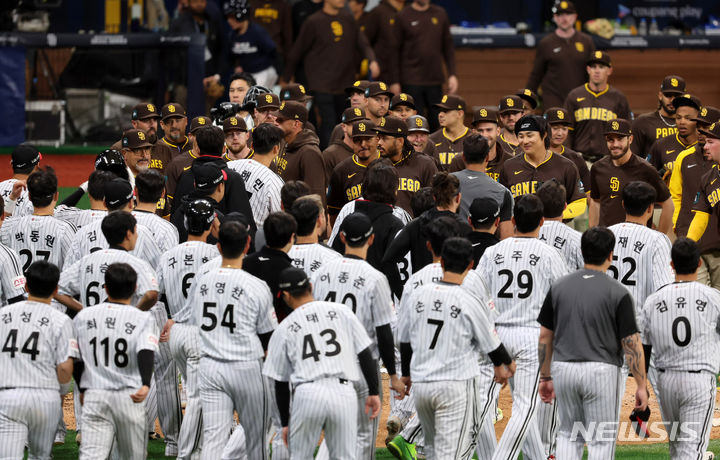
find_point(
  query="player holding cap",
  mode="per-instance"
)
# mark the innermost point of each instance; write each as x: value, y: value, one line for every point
x: 314, y: 351
x: 524, y: 173
x: 352, y: 281
x: 415, y: 170
x: 649, y: 127
x: 448, y: 139
x: 592, y: 104
x: 519, y: 271
x: 556, y: 234
x: 236, y: 139
x: 609, y: 176
x: 510, y: 110
x: 664, y: 151
x: 679, y: 321
x: 37, y: 361
x: 342, y: 148
x: 560, y: 124
x: 24, y: 160
x: 308, y: 253
x: 117, y: 342
x: 402, y: 106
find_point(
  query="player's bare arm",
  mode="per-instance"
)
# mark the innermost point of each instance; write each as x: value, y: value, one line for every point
x: 635, y: 359
x: 69, y: 302
x: 667, y: 208
x: 545, y: 352
x: 149, y: 299
x: 594, y: 213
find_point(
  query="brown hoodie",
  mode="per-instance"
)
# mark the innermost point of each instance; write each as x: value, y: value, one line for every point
x: 302, y: 160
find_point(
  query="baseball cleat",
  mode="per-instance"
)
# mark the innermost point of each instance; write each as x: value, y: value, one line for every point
x: 402, y: 449
x: 708, y: 456
x: 498, y: 416
x: 393, y: 426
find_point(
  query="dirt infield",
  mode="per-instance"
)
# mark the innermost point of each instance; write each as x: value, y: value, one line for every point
x: 72, y: 170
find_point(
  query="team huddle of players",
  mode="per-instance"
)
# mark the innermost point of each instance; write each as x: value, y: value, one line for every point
x: 203, y: 255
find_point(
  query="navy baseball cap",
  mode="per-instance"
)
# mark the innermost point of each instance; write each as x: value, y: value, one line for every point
x: 25, y: 155
x: 292, y: 279
x: 118, y: 192
x: 483, y: 211
x: 207, y: 175
x: 357, y: 227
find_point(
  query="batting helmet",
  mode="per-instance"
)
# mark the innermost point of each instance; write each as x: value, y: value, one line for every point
x: 199, y: 216
x: 113, y: 161
x: 250, y: 101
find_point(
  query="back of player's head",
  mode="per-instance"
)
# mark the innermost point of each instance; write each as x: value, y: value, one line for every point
x: 41, y: 279
x: 120, y: 281
x: 150, y: 185
x: 232, y: 237
x: 439, y: 230
x: 210, y: 140
x: 306, y: 211
x: 528, y: 213
x: 116, y: 225
x: 24, y: 158
x: 357, y: 229
x: 265, y: 137
x: 279, y: 228
x: 118, y: 193
x: 199, y: 216
x: 445, y: 188
x: 96, y: 183
x: 295, y: 282
x: 475, y: 149
x: 685, y: 256
x: 637, y: 197
x: 422, y: 200
x: 42, y: 186
x: 291, y: 191
x: 457, y: 254
x: 596, y: 245
x: 381, y: 182
x: 553, y: 195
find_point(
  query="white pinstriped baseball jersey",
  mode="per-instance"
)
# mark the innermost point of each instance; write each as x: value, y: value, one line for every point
x: 231, y: 307
x: 311, y: 257
x: 187, y: 311
x: 110, y: 336
x: 566, y: 240
x: 317, y: 340
x: 519, y: 272
x: 12, y: 280
x: 680, y: 322
x: 262, y: 186
x: 38, y: 238
x: 356, y: 284
x: 90, y: 238
x: 349, y: 208
x: 446, y: 327
x: 86, y: 277
x: 164, y: 233
x: 78, y: 217
x: 641, y: 260
x: 36, y: 338
x: 177, y: 269
x: 23, y: 206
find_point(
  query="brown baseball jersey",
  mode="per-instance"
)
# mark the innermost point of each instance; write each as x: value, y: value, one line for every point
x: 648, y: 128
x: 589, y: 112
x: 333, y: 155
x: 664, y: 152
x: 580, y: 164
x: 708, y: 197
x: 345, y: 184
x: 493, y: 168
x: 510, y: 149
x: 416, y: 171
x: 275, y: 17
x: 445, y: 148
x: 160, y: 156
x: 607, y: 182
x: 379, y: 27
x: 337, y: 134
x: 302, y: 160
x: 521, y: 178
x: 174, y: 170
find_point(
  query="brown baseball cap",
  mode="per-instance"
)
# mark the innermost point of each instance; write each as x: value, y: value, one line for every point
x: 352, y: 114
x: 377, y: 88
x: 392, y: 126
x: 267, y: 101
x: 173, y: 109
x: 234, y: 123
x: 687, y: 100
x: 135, y: 139
x: 363, y: 128
x: 294, y: 92
x: 618, y: 126
x: 199, y: 122
x: 563, y: 7
x: 358, y: 87
x: 712, y: 131
x: 529, y: 95
x: 510, y: 103
x: 558, y: 116
x: 402, y: 99
x: 451, y: 102
x: 417, y: 123
x: 708, y: 115
x: 600, y: 57
x: 292, y: 110
x: 673, y: 84
x: 145, y: 110
x: 485, y: 115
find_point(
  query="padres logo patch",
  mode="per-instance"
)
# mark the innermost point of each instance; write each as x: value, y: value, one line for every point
x: 560, y: 114
x: 282, y: 106
x: 382, y: 86
x: 302, y: 88
x: 268, y: 98
x: 563, y: 5
x: 403, y: 97
x: 674, y: 82
x: 382, y: 121
x: 201, y: 121
x: 418, y: 122
x: 527, y: 92
x: 580, y: 47
x: 357, y: 83
x: 171, y: 108
x: 141, y: 136
x: 233, y: 121
x: 598, y: 54
x: 444, y: 99
x: 483, y: 113
x: 361, y: 127
x: 703, y: 112
x: 151, y: 108
x: 337, y: 28
x: 509, y: 102
x: 614, y: 184
x: 434, y: 20
x: 615, y: 125
x: 357, y: 112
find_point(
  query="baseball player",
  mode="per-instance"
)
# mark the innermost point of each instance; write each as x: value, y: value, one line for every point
x: 314, y: 350
x: 181, y: 162
x: 265, y: 107
x: 664, y: 151
x: 145, y: 117
x: 419, y: 136
x: 235, y: 316
x: 449, y: 139
x: 706, y: 200
x: 24, y: 160
x: 402, y: 106
x: 649, y: 127
x: 342, y: 148
x: 592, y: 104
x: 149, y: 190
x: 609, y: 175
x: 39, y: 344
x: 261, y: 183
x: 680, y: 321
x: 510, y: 110
x: 177, y: 269
x: 529, y: 99
x: 441, y: 328
x: 357, y: 100
x: 136, y: 151
x: 236, y: 138
x: 173, y: 122
x: 523, y: 174
x: 117, y: 342
x: 350, y: 280
x: 560, y: 124
x: 308, y: 253
x: 556, y: 234
x: 12, y: 281
x: 519, y: 271
x: 378, y: 97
